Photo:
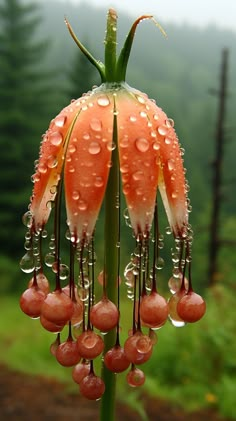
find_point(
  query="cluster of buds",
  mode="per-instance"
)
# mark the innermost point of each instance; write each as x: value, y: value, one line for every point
x: 113, y: 138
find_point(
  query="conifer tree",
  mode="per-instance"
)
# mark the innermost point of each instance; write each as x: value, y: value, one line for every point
x: 23, y: 90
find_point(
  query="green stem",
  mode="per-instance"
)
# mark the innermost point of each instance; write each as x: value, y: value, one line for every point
x: 110, y: 46
x: 111, y: 257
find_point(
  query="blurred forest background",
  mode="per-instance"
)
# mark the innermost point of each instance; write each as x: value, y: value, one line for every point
x: 41, y: 70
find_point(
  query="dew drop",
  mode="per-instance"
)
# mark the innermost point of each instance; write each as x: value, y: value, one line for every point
x: 143, y: 114
x: 124, y: 142
x: 171, y: 164
x: 52, y: 161
x: 103, y: 101
x: 162, y: 130
x: 140, y: 99
x: 49, y: 259
x: 94, y: 148
x: 168, y: 230
x: 60, y: 121
x: 139, y: 191
x: 96, y: 125
x: 170, y: 122
x: 99, y: 182
x: 27, y: 219
x: 71, y: 148
x: 138, y: 175
x: 56, y: 138
x: 124, y: 168
x: 27, y: 262
x: 71, y: 168
x: 82, y: 205
x: 160, y: 263
x: 142, y: 144
x: 167, y: 140
x: 42, y: 168
x: 126, y: 188
x: 86, y: 136
x: 156, y: 146
x: 75, y: 195
x: 132, y: 119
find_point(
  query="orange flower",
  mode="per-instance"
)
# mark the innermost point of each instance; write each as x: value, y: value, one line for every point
x: 78, y: 147
x: 112, y: 135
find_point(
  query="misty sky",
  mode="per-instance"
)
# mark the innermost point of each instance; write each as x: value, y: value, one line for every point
x: 197, y: 12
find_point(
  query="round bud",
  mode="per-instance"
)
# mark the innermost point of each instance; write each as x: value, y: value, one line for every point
x: 115, y: 359
x: 191, y: 307
x: 80, y: 371
x: 67, y: 353
x: 50, y: 326
x: 104, y: 315
x: 153, y: 310
x: 90, y: 345
x: 92, y: 387
x: 135, y: 377
x: 31, y: 301
x: 138, y: 348
x: 57, y: 307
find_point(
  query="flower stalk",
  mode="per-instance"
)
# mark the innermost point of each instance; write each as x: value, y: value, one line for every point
x: 113, y: 138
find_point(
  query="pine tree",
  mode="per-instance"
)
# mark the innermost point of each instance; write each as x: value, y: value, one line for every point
x: 23, y: 90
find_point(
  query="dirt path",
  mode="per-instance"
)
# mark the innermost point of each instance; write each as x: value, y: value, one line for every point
x: 30, y: 398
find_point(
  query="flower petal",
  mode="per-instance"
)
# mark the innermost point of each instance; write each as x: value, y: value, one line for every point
x: 172, y: 183
x: 87, y: 164
x: 139, y: 156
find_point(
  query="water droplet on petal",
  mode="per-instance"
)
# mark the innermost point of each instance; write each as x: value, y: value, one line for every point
x: 99, y: 182
x: 75, y: 195
x: 124, y: 168
x: 124, y: 142
x: 138, y: 175
x: 133, y: 119
x: 71, y: 148
x: 156, y: 146
x: 56, y: 138
x: 162, y: 130
x: 170, y: 122
x: 143, y: 114
x: 96, y: 125
x: 94, y: 148
x: 82, y: 205
x: 140, y: 99
x: 103, y: 101
x: 60, y: 121
x: 167, y: 140
x: 42, y: 168
x: 171, y: 164
x: 52, y: 161
x: 126, y: 188
x: 142, y: 144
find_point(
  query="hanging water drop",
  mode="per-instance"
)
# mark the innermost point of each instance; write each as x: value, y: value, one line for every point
x: 27, y: 264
